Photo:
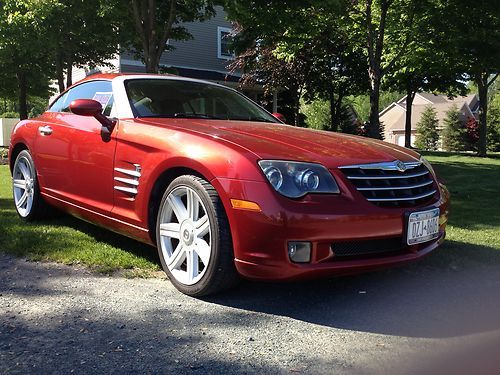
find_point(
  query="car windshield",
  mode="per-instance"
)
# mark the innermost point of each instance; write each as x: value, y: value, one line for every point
x: 186, y: 99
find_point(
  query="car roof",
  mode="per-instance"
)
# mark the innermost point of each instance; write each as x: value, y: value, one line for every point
x: 112, y: 76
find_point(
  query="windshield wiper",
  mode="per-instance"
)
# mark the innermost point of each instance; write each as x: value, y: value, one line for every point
x: 250, y: 118
x: 196, y: 115
x: 184, y: 115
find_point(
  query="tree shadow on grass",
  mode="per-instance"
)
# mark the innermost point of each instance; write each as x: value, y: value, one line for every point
x: 452, y: 292
x: 63, y: 233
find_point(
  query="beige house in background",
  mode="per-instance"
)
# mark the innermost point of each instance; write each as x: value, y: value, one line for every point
x: 394, y: 116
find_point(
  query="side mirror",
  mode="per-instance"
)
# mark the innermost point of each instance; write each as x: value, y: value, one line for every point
x: 280, y: 117
x: 89, y: 107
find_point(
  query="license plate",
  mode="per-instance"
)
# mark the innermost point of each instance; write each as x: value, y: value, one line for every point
x: 423, y: 226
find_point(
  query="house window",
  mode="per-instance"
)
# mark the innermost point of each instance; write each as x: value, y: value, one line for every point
x: 224, y: 43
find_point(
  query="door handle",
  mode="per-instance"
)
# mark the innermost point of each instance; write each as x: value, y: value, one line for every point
x: 45, y: 130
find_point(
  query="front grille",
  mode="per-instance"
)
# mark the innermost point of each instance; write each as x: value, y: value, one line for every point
x: 368, y: 247
x: 393, y: 184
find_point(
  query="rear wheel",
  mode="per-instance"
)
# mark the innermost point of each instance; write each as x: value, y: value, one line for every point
x: 193, y: 238
x: 28, y: 201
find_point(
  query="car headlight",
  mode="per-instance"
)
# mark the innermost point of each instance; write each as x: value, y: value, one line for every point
x: 296, y: 179
x: 428, y: 166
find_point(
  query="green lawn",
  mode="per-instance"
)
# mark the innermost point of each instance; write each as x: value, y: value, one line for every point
x: 68, y: 240
x: 473, y: 229
x: 474, y: 184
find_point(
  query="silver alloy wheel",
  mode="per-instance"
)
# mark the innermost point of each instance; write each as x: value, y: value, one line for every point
x: 23, y: 183
x: 185, y: 235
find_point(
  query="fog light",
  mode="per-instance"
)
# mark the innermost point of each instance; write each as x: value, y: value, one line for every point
x: 299, y: 252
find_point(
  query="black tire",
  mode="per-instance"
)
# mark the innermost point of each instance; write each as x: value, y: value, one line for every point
x: 182, y: 247
x: 24, y: 170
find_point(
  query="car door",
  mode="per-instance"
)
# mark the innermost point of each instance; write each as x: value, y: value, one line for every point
x: 74, y: 161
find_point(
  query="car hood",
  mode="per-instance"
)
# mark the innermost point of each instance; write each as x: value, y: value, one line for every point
x: 284, y: 142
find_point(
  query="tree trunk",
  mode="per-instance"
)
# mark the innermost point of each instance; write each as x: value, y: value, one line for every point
x: 333, y: 111
x: 22, y: 95
x: 60, y: 71
x: 69, y: 73
x: 410, y: 95
x: 482, y: 85
x: 153, y: 36
x: 374, y: 129
x: 296, y: 109
x: 152, y: 62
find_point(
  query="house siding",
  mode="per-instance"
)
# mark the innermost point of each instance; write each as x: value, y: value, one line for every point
x: 198, y: 53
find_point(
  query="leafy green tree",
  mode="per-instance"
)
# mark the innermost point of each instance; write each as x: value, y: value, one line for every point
x: 300, y: 46
x: 25, y: 65
x: 157, y: 21
x: 494, y: 124
x: 80, y: 33
x: 317, y: 113
x: 336, y: 72
x: 454, y: 132
x: 475, y: 26
x: 361, y: 103
x: 427, y: 64
x: 427, y: 133
x: 380, y: 28
x: 349, y: 121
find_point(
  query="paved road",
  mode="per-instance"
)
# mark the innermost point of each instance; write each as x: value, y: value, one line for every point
x: 60, y: 319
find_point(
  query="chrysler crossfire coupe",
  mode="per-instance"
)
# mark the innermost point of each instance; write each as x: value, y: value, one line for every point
x: 220, y: 186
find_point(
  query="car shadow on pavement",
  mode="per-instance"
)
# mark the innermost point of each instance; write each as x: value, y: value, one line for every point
x: 452, y: 292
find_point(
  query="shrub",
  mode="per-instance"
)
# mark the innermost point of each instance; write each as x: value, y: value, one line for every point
x: 9, y: 115
x: 472, y: 127
x: 454, y: 133
x: 427, y: 133
x: 317, y: 115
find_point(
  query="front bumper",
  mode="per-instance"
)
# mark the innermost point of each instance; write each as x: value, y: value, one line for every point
x: 260, y: 239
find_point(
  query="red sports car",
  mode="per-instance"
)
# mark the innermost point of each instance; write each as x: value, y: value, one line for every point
x: 220, y: 186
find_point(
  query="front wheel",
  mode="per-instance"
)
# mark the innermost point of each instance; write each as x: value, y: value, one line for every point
x: 194, y: 238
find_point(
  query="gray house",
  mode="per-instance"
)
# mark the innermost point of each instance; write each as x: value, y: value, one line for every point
x: 206, y: 56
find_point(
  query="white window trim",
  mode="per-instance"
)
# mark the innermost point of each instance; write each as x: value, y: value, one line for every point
x: 221, y: 30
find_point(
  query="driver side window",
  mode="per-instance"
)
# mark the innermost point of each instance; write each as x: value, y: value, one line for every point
x: 100, y: 91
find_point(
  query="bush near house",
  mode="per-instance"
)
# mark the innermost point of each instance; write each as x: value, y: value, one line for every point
x: 472, y: 127
x: 454, y: 133
x: 427, y: 133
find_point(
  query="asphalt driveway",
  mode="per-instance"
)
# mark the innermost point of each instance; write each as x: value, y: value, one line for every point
x: 61, y: 319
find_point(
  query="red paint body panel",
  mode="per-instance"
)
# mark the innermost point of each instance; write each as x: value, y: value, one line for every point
x: 74, y: 163
x: 261, y: 238
x: 80, y: 172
